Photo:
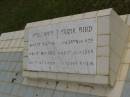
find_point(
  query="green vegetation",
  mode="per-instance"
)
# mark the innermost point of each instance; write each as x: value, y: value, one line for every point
x: 14, y: 14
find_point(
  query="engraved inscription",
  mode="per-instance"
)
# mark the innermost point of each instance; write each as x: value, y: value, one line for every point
x: 68, y: 47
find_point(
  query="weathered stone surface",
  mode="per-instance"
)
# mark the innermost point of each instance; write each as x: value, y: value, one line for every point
x: 109, y: 34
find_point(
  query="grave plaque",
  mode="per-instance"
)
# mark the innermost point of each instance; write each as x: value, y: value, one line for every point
x: 84, y: 48
x: 68, y: 47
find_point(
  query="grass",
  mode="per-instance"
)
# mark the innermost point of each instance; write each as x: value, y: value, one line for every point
x: 14, y: 14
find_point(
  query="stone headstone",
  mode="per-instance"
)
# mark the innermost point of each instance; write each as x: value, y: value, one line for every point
x: 11, y: 79
x: 84, y: 48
